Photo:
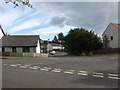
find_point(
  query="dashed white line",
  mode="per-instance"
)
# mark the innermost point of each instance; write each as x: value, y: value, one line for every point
x: 84, y: 73
x: 27, y: 65
x: 45, y: 69
x: 113, y: 77
x: 96, y: 74
x: 69, y: 71
x: 34, y: 68
x: 13, y: 65
x: 18, y: 64
x: 23, y: 66
x: 56, y: 70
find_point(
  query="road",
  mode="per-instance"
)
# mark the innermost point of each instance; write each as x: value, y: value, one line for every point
x: 61, y: 72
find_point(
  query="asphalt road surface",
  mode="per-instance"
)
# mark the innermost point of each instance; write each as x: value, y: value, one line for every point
x: 61, y: 72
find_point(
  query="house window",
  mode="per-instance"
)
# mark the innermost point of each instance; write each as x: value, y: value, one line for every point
x: 26, y: 49
x: 111, y: 37
x: 13, y: 49
x: 3, y: 49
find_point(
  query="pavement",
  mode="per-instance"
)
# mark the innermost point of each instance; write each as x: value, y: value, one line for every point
x: 61, y: 72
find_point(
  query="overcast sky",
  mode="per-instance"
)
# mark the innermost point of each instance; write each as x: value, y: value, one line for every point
x: 48, y: 19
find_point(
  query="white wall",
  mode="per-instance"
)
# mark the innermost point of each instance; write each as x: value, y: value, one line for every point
x: 112, y: 31
x: 1, y: 34
x: 38, y: 47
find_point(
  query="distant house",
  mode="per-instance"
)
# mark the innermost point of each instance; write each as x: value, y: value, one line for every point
x: 21, y: 43
x: 43, y: 45
x: 54, y: 46
x: 112, y: 32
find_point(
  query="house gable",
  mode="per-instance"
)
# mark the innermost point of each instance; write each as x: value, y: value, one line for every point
x: 112, y: 33
x: 1, y: 32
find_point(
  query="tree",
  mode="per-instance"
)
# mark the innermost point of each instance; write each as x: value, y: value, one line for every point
x: 79, y: 40
x: 105, y: 41
x: 60, y: 37
x: 55, y: 40
x: 16, y: 2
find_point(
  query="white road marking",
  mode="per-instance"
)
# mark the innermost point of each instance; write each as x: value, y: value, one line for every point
x: 13, y: 65
x: 96, y: 74
x: 113, y: 77
x: 69, y: 71
x: 18, y: 64
x: 27, y: 65
x: 84, y: 73
x: 56, y: 70
x: 45, y: 69
x: 23, y: 66
x: 34, y: 68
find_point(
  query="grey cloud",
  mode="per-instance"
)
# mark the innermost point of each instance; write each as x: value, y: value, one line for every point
x: 91, y: 15
x: 58, y: 21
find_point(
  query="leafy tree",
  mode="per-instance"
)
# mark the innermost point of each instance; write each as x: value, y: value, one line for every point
x: 79, y: 40
x: 105, y: 41
x: 60, y: 37
x: 16, y: 2
x: 55, y: 40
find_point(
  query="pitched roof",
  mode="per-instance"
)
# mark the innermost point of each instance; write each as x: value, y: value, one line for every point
x: 20, y: 40
x: 116, y: 25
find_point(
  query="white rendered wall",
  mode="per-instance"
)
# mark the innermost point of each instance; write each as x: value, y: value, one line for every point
x: 1, y: 34
x: 112, y: 31
x: 38, y: 47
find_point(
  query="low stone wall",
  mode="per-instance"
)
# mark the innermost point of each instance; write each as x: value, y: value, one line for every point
x: 36, y: 54
x: 11, y: 54
x: 24, y: 54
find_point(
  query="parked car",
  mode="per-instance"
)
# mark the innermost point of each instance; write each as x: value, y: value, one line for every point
x: 52, y: 52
